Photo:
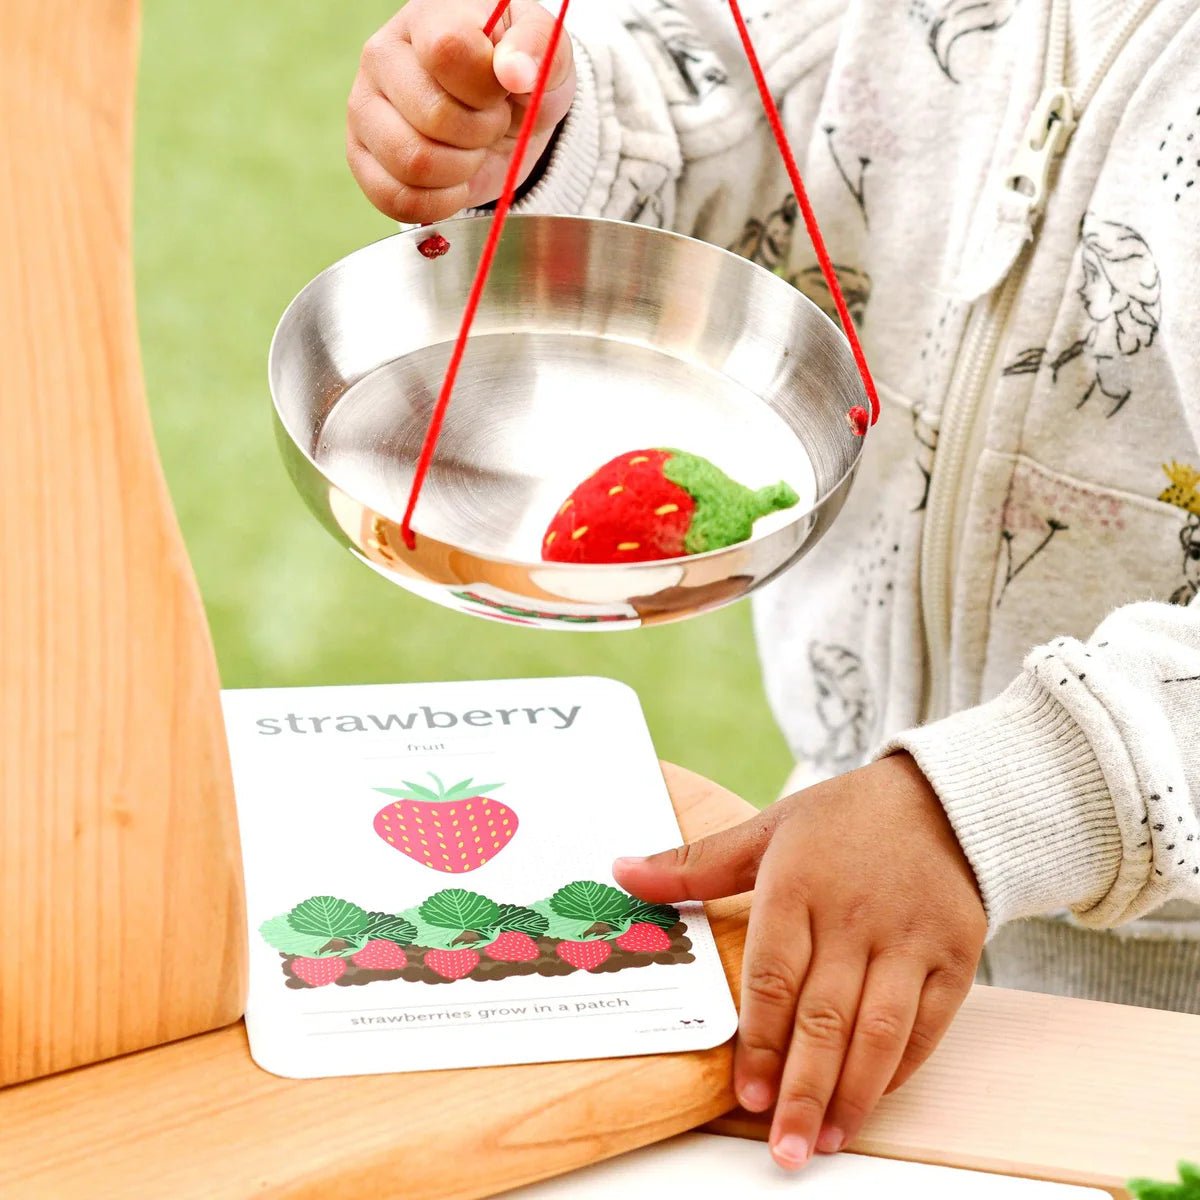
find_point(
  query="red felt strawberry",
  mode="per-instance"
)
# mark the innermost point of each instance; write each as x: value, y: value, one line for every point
x: 644, y: 938
x: 512, y: 946
x: 587, y: 956
x: 317, y: 972
x: 380, y: 955
x: 654, y: 504
x: 453, y: 830
x: 434, y: 246
x: 451, y: 964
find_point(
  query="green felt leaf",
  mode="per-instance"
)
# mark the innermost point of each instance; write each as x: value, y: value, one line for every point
x: 1188, y: 1187
x: 458, y: 909
x: 520, y: 920
x: 662, y: 915
x: 390, y: 927
x: 434, y: 937
x: 328, y: 916
x: 588, y: 901
x: 570, y: 929
x: 279, y: 933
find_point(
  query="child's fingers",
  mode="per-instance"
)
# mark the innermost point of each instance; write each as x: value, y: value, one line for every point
x: 410, y: 157
x: 941, y: 998
x: 451, y: 45
x: 882, y: 1030
x: 431, y: 110
x: 400, y: 201
x: 520, y: 52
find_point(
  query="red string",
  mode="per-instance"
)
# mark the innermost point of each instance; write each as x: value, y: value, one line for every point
x: 511, y: 182
x: 494, y: 19
x: 810, y: 219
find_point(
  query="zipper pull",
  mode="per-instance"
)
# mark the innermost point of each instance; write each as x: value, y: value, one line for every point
x: 1044, y: 140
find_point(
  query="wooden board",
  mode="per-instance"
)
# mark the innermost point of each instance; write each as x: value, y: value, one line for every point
x: 120, y: 884
x: 198, y: 1120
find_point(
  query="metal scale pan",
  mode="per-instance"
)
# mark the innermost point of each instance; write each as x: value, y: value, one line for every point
x: 594, y: 338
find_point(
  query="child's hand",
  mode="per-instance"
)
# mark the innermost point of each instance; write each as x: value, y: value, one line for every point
x: 864, y: 937
x: 435, y: 109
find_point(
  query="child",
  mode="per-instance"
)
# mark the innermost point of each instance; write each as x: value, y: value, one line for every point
x: 1011, y: 189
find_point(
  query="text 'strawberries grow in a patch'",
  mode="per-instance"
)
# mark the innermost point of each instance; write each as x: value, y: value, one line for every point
x: 452, y: 964
x: 649, y: 505
x: 644, y: 939
x: 380, y: 955
x: 317, y: 972
x: 513, y: 947
x: 587, y: 956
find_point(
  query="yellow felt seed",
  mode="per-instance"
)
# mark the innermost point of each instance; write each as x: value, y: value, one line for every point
x: 495, y: 845
x: 392, y: 840
x: 641, y: 458
x: 616, y: 491
x: 579, y: 533
x: 551, y: 536
x: 666, y: 509
x: 565, y: 507
x: 628, y: 545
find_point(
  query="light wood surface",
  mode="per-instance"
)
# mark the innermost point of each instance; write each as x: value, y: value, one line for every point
x: 198, y: 1120
x: 120, y: 892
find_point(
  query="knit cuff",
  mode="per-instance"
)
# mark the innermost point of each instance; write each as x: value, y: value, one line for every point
x: 1027, y: 798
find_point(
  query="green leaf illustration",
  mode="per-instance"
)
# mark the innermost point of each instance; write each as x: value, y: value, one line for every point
x: 459, y: 909
x: 329, y: 917
x: 1188, y: 1187
x: 587, y: 901
x: 662, y: 915
x: 433, y: 937
x: 519, y: 919
x: 389, y: 926
x: 571, y: 929
x: 278, y: 932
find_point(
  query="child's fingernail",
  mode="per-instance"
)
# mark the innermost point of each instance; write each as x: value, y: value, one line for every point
x: 754, y: 1097
x: 623, y: 864
x: 831, y: 1140
x: 520, y: 72
x: 791, y: 1150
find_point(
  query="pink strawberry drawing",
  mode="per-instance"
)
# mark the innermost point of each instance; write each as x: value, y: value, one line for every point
x: 317, y: 972
x: 380, y: 955
x: 587, y: 956
x: 451, y: 964
x: 644, y: 938
x: 455, y: 830
x: 512, y: 946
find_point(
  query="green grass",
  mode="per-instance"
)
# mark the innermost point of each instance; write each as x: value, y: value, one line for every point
x: 242, y: 195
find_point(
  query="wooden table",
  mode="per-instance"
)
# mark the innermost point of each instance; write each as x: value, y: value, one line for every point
x: 1052, y: 1088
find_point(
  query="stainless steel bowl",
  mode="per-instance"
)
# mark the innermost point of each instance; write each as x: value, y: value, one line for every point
x: 594, y: 338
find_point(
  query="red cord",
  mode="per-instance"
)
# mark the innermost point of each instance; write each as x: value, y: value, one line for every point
x: 511, y: 182
x: 494, y: 19
x: 810, y: 219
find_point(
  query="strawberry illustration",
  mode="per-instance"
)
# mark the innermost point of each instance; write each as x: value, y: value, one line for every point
x: 455, y: 830
x: 644, y: 938
x: 587, y: 956
x: 380, y: 955
x: 512, y: 946
x: 451, y: 964
x: 654, y: 504
x: 317, y: 972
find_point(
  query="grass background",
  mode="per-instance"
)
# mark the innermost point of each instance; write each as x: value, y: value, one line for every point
x: 242, y: 195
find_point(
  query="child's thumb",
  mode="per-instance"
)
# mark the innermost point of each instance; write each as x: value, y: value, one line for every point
x: 520, y: 53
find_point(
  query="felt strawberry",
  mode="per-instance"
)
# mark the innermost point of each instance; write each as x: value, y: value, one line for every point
x: 654, y: 504
x: 587, y: 956
x: 451, y: 964
x: 380, y: 955
x: 513, y: 946
x: 317, y: 972
x: 644, y: 938
x: 454, y: 830
x: 434, y: 246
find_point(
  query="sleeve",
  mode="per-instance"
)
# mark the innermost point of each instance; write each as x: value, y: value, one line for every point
x: 1079, y: 787
x: 667, y: 127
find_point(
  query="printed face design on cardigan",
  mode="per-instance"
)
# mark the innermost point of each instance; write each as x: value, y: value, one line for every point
x: 948, y: 23
x: 769, y: 242
x: 1121, y: 297
x: 844, y: 704
x: 697, y: 69
x: 1183, y: 493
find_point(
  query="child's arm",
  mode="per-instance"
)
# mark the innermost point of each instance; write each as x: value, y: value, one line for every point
x: 1077, y: 788
x: 664, y: 124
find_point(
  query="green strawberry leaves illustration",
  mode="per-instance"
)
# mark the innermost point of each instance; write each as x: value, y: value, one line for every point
x: 464, y: 789
x: 1188, y: 1187
x: 518, y: 919
x: 279, y: 933
x: 390, y: 927
x: 329, y: 917
x: 587, y: 901
x: 663, y: 915
x: 571, y: 929
x: 458, y: 909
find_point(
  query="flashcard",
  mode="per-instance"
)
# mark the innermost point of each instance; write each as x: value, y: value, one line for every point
x: 428, y: 880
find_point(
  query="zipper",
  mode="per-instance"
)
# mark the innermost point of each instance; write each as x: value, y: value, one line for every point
x: 1045, y: 139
